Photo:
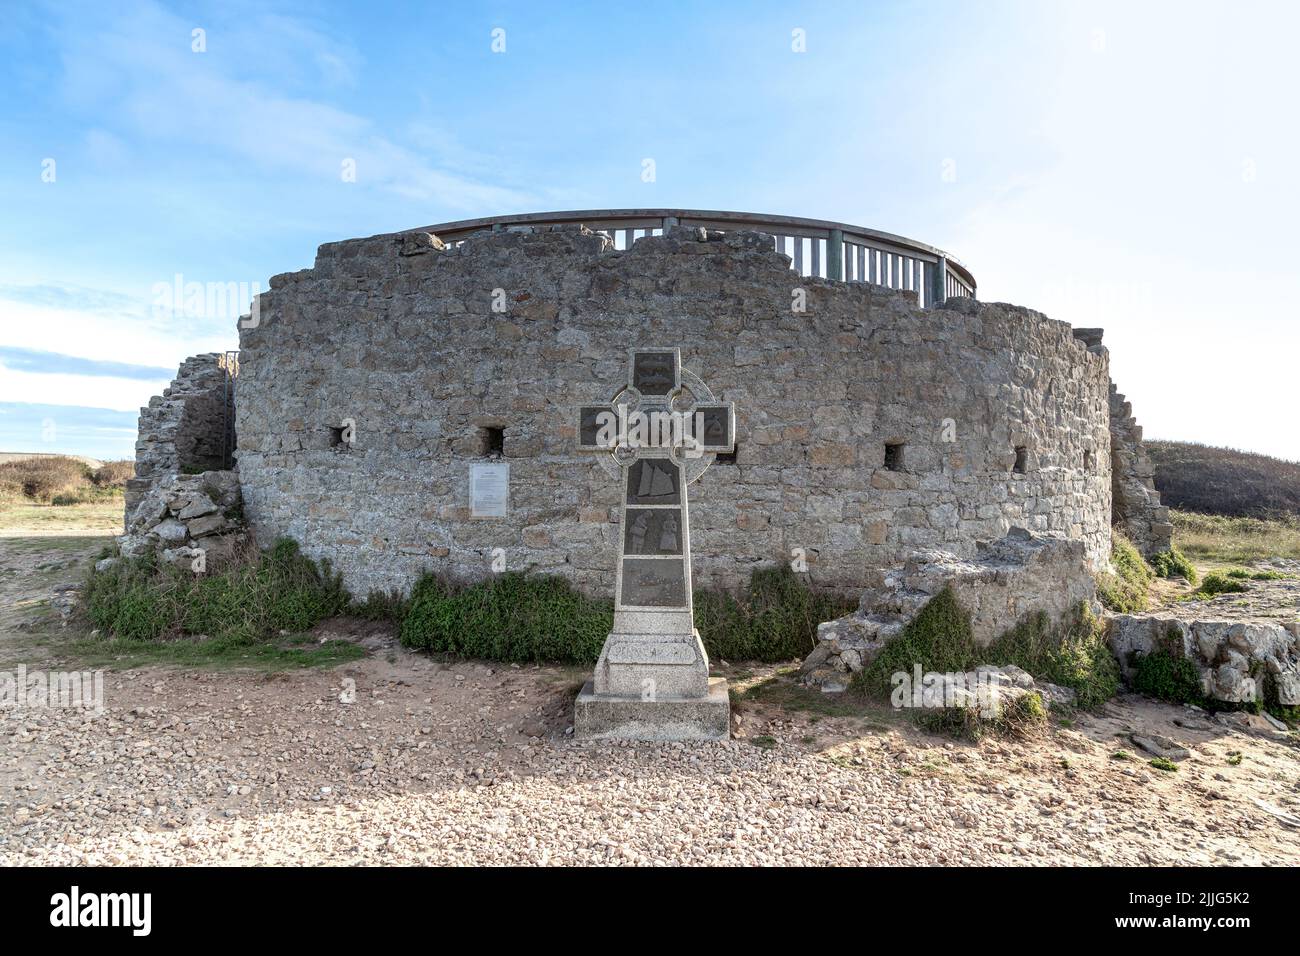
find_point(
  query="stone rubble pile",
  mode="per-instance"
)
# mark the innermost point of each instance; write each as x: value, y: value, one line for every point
x: 185, y: 516
x: 188, y: 427
x: 1019, y: 574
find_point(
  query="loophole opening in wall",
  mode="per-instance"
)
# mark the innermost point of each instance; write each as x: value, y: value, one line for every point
x: 336, y: 435
x: 1022, y: 459
x: 894, y: 455
x: 492, y: 442
x: 1088, y: 462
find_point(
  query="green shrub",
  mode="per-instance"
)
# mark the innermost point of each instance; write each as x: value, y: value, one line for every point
x: 938, y: 638
x: 774, y: 619
x: 1163, y: 763
x: 114, y: 474
x: 1074, y: 654
x: 1174, y: 564
x: 1245, y: 574
x: 521, y: 617
x: 1218, y: 583
x: 278, y: 590
x: 511, y: 617
x: 1125, y: 590
x: 1166, y: 674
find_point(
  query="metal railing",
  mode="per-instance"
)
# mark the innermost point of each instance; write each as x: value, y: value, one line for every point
x: 816, y: 247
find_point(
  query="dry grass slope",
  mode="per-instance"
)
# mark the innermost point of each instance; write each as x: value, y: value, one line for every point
x: 1224, y: 481
x: 61, y: 480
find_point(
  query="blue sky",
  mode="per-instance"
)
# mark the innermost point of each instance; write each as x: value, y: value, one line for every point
x: 1132, y: 166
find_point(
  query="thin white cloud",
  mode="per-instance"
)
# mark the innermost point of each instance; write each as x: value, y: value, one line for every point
x: 140, y: 72
x: 118, y: 394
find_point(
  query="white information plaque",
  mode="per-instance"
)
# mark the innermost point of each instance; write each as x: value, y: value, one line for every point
x: 489, y: 490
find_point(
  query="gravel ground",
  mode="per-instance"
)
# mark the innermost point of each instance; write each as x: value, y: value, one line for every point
x: 397, y: 758
x: 468, y: 764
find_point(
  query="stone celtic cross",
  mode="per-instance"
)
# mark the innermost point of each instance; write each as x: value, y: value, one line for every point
x: 659, y: 433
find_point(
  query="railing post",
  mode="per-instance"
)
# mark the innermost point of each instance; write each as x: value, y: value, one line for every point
x: 835, y: 255
x: 939, y: 285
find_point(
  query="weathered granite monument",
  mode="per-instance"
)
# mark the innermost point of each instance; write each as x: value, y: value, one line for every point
x: 660, y: 432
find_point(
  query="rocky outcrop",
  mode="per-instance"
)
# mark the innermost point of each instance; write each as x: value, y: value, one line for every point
x: 1135, y: 504
x: 1012, y: 577
x: 1237, y: 659
x: 191, y: 521
x: 188, y: 428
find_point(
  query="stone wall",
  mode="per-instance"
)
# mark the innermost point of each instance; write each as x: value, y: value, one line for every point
x: 1137, y: 510
x: 398, y: 334
x: 186, y: 429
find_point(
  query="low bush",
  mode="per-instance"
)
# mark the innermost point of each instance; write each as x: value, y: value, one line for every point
x: 774, y: 619
x: 1073, y: 653
x: 1166, y: 674
x: 1125, y: 591
x: 1174, y: 564
x: 114, y: 474
x: 511, y: 617
x: 1245, y: 574
x: 253, y: 598
x: 61, y: 480
x: 1217, y: 582
x: 938, y: 638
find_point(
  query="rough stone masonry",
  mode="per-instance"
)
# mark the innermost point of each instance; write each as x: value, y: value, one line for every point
x: 875, y: 428
x: 887, y: 449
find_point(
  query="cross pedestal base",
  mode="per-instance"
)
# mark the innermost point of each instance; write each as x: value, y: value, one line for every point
x: 600, y: 716
x: 647, y: 666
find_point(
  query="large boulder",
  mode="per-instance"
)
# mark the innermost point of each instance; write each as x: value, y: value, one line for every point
x: 1235, y: 658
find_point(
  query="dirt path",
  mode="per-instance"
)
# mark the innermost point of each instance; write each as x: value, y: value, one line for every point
x: 399, y: 758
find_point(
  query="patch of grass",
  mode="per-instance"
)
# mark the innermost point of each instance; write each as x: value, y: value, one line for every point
x: 1223, y: 540
x: 1121, y: 755
x: 1073, y: 654
x: 1163, y: 763
x: 250, y: 600
x: 273, y: 655
x: 1246, y: 574
x: 1216, y: 583
x: 781, y: 691
x: 29, y: 520
x: 774, y: 619
x: 1174, y: 564
x: 1234, y: 758
x: 1126, y: 589
x: 764, y: 741
x: 510, y: 617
